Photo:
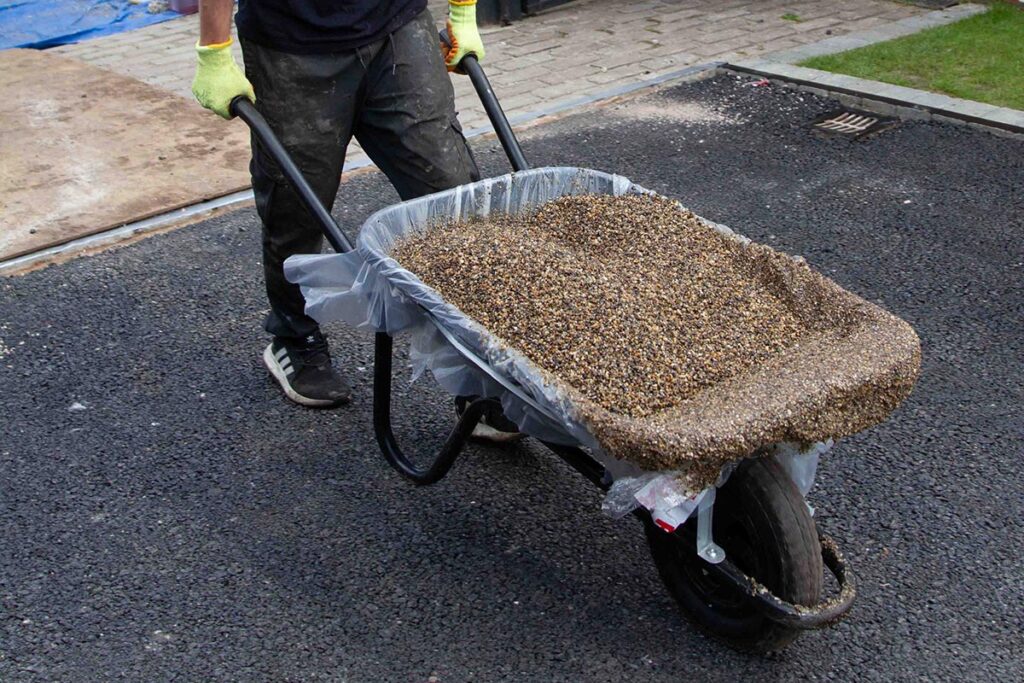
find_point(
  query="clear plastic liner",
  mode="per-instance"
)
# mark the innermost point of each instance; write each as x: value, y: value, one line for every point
x: 369, y: 290
x: 801, y: 464
x: 662, y: 491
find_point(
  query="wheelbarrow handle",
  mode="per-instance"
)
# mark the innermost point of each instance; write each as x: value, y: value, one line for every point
x: 470, y: 65
x: 244, y: 109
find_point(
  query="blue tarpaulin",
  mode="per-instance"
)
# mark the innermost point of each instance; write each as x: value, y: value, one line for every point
x: 47, y: 23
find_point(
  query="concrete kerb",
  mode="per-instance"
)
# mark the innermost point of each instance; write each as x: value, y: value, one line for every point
x: 190, y: 214
x: 126, y: 233
x: 887, y: 99
x: 884, y: 98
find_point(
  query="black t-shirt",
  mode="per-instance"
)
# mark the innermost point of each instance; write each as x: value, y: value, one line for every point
x: 317, y: 26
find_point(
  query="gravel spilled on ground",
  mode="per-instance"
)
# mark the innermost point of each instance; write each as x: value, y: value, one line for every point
x: 637, y: 305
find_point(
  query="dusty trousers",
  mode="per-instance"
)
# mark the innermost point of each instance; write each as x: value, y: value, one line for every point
x: 393, y: 95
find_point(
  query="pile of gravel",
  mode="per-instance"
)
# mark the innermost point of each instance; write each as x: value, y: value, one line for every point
x: 645, y: 312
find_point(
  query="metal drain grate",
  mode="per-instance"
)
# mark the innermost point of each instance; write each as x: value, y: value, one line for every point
x: 851, y: 123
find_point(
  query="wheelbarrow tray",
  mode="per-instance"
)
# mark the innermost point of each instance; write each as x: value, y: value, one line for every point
x: 764, y: 495
x: 842, y: 376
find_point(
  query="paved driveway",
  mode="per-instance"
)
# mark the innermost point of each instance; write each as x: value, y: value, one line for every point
x: 166, y: 515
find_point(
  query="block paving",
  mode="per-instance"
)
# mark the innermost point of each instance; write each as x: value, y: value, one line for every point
x: 580, y: 49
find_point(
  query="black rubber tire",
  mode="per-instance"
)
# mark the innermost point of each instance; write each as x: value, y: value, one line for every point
x: 763, y: 523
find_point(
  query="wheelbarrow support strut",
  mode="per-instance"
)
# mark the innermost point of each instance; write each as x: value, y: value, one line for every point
x: 770, y: 605
x: 382, y: 355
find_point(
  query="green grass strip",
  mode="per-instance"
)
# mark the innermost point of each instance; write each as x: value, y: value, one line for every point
x: 979, y: 58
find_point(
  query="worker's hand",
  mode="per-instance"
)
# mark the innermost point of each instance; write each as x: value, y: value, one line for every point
x: 218, y: 79
x: 462, y: 32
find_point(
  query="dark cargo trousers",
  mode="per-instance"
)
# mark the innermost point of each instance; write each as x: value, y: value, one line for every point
x: 393, y: 95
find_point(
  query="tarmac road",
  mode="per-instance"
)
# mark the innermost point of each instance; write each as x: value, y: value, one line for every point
x: 167, y: 515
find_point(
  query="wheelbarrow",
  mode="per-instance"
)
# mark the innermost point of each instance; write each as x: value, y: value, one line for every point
x: 751, y: 573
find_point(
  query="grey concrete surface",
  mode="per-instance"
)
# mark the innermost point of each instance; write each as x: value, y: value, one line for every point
x: 167, y: 516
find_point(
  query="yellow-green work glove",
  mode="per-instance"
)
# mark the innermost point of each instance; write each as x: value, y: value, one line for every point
x: 462, y: 32
x: 218, y: 79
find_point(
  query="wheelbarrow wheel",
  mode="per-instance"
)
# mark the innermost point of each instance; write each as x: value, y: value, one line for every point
x: 762, y: 522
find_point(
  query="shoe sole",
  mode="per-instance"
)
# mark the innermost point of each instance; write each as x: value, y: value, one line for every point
x: 485, y: 432
x: 278, y: 374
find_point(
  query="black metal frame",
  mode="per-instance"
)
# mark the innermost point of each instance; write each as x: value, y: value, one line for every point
x: 770, y: 605
x: 453, y: 445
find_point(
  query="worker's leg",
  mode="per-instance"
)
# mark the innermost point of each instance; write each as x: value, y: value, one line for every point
x: 408, y: 126
x: 310, y: 102
x: 407, y: 122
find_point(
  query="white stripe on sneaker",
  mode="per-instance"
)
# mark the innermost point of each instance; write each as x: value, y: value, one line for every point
x: 282, y: 379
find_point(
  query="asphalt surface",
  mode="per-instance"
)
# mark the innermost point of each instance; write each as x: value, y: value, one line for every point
x: 167, y: 515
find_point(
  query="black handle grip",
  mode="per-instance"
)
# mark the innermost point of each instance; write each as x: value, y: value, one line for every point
x: 443, y: 35
x: 470, y: 65
x: 244, y: 109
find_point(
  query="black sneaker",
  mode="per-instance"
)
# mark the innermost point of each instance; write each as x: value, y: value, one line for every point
x: 303, y: 369
x: 493, y: 426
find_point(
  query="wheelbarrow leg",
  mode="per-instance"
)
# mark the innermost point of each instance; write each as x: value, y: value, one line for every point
x: 453, y: 445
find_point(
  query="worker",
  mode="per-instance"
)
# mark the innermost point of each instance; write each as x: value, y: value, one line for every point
x: 321, y: 72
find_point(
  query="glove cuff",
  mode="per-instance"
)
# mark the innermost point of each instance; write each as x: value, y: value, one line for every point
x: 215, y: 53
x: 462, y: 11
